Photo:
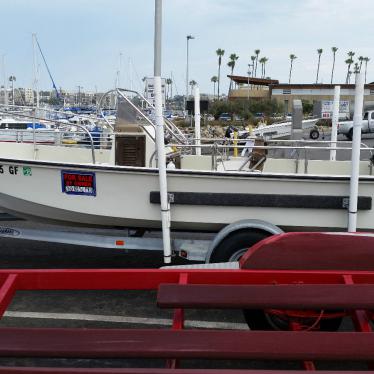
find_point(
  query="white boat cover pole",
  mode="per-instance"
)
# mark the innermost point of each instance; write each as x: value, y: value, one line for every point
x: 356, y: 144
x: 160, y: 143
x: 197, y: 120
x: 334, y: 124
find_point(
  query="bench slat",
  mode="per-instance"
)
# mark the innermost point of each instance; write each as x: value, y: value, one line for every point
x: 210, y: 344
x: 299, y: 296
x: 45, y: 370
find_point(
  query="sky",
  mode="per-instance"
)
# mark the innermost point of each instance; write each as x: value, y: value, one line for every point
x: 82, y: 40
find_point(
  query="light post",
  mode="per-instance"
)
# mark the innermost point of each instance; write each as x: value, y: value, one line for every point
x: 188, y: 37
x: 12, y: 79
x: 249, y: 74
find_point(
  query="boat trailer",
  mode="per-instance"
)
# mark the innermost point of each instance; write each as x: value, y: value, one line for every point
x: 300, y: 286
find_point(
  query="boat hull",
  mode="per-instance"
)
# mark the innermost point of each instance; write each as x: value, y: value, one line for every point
x: 125, y: 196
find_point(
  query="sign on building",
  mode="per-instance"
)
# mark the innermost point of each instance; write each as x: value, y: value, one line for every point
x: 327, y: 108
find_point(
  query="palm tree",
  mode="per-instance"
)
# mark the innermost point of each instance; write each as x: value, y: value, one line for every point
x: 214, y: 79
x: 231, y: 64
x: 257, y: 52
x: 334, y: 50
x: 351, y: 54
x: 233, y: 57
x: 349, y: 62
x: 262, y: 61
x: 367, y: 59
x: 292, y: 58
x: 319, y: 51
x: 253, y: 58
x: 265, y: 61
x: 357, y: 68
x: 361, y: 59
x: 192, y: 84
x: 220, y: 52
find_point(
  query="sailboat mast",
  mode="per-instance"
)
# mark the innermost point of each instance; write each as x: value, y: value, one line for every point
x: 4, y: 80
x: 35, y: 63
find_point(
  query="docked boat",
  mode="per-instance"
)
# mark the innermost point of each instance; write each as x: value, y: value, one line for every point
x: 116, y: 184
x: 19, y: 130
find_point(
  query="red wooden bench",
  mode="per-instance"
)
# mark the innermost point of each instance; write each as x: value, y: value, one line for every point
x: 295, y: 296
x: 30, y: 370
x: 185, y: 344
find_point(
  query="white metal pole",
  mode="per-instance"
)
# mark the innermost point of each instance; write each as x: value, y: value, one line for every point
x: 356, y: 144
x: 160, y: 143
x: 334, y: 124
x: 187, y: 57
x: 197, y: 120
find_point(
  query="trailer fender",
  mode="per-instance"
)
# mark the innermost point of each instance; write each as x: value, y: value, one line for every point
x: 246, y: 225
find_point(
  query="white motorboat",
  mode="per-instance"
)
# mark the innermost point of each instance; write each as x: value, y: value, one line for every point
x: 19, y: 130
x: 120, y: 187
x: 282, y: 129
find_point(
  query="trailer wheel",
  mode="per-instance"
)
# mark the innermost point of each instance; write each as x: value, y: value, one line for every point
x: 261, y: 320
x: 314, y: 134
x: 236, y: 244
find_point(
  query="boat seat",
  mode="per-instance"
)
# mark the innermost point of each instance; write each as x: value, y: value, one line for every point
x: 257, y: 157
x: 185, y: 344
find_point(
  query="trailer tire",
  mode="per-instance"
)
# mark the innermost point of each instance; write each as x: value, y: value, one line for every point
x: 258, y: 319
x: 314, y: 134
x: 236, y: 244
x: 231, y: 249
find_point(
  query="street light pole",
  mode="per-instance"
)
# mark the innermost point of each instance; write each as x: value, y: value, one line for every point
x: 249, y: 73
x: 188, y: 37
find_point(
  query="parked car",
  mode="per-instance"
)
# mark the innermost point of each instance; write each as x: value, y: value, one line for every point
x: 225, y: 117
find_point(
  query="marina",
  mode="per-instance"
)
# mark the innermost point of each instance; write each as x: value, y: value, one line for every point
x: 147, y: 231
